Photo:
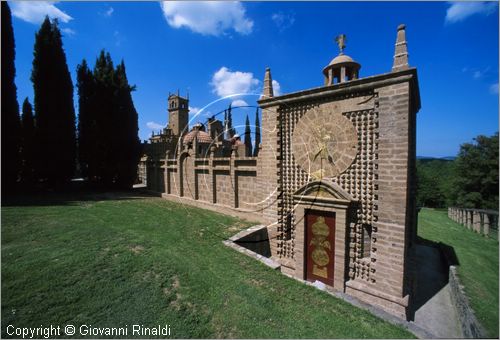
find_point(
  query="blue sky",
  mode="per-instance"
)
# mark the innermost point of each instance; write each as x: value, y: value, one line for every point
x: 218, y: 48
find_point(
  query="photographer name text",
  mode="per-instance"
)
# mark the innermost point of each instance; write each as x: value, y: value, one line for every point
x: 47, y: 332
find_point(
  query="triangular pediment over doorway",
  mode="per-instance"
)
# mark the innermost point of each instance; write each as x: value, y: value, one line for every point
x: 324, y: 189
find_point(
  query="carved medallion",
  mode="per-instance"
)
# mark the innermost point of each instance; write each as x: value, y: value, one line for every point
x: 320, y: 242
x: 324, y: 143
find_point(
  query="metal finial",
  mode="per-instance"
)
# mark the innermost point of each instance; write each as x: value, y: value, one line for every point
x: 340, y: 40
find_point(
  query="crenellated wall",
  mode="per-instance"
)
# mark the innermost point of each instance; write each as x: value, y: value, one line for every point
x: 230, y: 183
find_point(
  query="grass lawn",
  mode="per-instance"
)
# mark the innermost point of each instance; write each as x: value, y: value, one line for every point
x: 478, y: 258
x: 113, y: 261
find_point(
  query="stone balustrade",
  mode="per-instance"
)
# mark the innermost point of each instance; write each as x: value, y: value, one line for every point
x: 481, y: 221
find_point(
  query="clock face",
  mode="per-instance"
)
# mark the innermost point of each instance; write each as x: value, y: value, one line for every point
x: 324, y: 143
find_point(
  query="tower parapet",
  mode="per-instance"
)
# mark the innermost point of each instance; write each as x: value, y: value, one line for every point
x: 178, y: 112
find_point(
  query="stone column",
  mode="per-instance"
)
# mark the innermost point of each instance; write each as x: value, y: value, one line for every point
x: 486, y: 224
x: 211, y: 175
x: 469, y: 219
x: 234, y: 180
x: 342, y: 74
x: 476, y: 221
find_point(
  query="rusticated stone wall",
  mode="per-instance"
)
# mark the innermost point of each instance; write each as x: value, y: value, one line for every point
x: 371, y: 122
x: 379, y: 177
x: 227, y: 182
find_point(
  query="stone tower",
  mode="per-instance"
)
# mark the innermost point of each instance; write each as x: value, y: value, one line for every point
x: 344, y: 169
x: 178, y: 111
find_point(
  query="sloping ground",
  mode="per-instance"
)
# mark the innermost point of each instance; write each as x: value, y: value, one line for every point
x: 478, y: 263
x: 110, y: 261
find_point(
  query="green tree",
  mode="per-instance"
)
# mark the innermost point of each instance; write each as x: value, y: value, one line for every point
x: 103, y: 102
x: 86, y: 121
x: 54, y: 110
x: 127, y: 146
x: 28, y: 144
x: 109, y: 146
x: 429, y: 191
x: 257, y: 134
x: 476, y: 181
x: 10, y: 106
x: 434, y: 182
x: 248, y: 138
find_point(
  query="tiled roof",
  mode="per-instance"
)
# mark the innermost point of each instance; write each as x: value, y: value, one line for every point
x: 202, y: 137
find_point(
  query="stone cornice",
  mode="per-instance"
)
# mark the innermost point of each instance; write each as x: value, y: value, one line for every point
x: 350, y: 87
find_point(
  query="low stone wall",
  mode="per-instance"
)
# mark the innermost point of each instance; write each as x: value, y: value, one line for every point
x: 481, y: 221
x: 243, y: 239
x: 471, y: 328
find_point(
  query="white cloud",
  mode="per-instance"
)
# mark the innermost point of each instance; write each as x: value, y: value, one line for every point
x: 119, y: 38
x: 109, y: 12
x: 207, y: 17
x: 276, y: 88
x: 35, y: 11
x: 459, y: 11
x: 68, y: 31
x: 494, y: 88
x: 239, y: 102
x: 194, y: 110
x: 226, y: 83
x: 477, y: 74
x: 283, y: 21
x: 154, y: 126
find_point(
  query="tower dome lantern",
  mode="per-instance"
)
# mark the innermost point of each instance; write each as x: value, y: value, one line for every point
x: 342, y: 68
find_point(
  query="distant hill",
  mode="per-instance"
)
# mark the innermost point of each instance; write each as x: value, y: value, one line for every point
x: 448, y: 158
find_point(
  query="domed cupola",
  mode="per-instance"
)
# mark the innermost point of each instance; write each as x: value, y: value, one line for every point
x: 342, y: 68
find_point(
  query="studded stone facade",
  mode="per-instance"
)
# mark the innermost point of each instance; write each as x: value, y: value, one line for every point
x: 346, y: 148
x: 380, y: 179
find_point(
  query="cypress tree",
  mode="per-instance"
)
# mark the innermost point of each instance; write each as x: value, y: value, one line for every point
x: 248, y: 138
x: 257, y: 134
x: 28, y: 145
x: 86, y: 121
x: 104, y: 125
x: 109, y: 145
x: 54, y: 110
x: 126, y: 142
x: 10, y: 106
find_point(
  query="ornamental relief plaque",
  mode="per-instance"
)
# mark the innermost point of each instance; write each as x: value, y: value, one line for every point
x: 324, y: 142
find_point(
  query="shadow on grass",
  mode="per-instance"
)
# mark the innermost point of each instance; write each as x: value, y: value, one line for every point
x: 71, y: 196
x: 431, y: 266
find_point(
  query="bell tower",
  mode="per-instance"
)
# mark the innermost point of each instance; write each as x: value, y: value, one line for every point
x: 178, y: 114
